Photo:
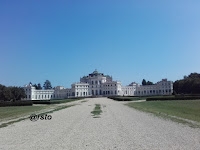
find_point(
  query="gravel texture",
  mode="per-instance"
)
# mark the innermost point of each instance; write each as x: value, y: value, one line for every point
x: 119, y: 127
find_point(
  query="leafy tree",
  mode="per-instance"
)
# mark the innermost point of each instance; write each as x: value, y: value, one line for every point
x: 149, y: 83
x: 47, y: 85
x: 39, y: 86
x: 11, y: 93
x: 17, y: 93
x: 144, y: 82
x: 35, y: 85
x: 7, y: 94
x: 2, y: 96
x: 189, y: 85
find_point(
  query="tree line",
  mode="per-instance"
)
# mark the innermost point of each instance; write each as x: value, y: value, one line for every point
x: 47, y: 85
x: 11, y: 93
x: 188, y: 85
x: 144, y: 82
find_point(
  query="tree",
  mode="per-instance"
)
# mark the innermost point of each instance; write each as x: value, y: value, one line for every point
x: 39, y: 86
x: 7, y: 94
x: 144, y: 82
x: 17, y: 93
x: 11, y: 93
x: 2, y: 87
x: 188, y: 85
x: 47, y: 85
x: 149, y: 83
x: 35, y: 85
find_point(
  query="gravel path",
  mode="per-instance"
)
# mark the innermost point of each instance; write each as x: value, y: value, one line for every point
x: 119, y: 127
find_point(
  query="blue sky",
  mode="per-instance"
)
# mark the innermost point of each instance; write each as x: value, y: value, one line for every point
x: 62, y: 40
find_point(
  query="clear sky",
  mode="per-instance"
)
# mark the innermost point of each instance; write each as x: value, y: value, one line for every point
x: 62, y: 40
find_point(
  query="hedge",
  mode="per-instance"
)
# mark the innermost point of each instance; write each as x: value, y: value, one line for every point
x: 41, y: 101
x: 120, y: 98
x: 174, y: 98
x: 17, y: 103
x: 55, y: 101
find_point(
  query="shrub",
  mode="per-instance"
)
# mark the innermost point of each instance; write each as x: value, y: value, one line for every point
x: 174, y: 98
x: 17, y: 103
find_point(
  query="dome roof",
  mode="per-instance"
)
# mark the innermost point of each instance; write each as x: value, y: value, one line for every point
x: 95, y: 72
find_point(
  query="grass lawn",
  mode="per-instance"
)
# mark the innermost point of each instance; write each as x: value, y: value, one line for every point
x: 12, y: 112
x: 187, y: 109
x: 156, y: 96
x: 64, y: 101
x: 17, y: 111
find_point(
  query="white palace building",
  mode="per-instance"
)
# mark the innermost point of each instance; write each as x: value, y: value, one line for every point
x: 98, y: 84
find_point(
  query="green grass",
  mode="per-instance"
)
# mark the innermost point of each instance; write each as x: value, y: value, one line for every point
x: 58, y: 108
x: 11, y: 122
x: 158, y: 96
x: 83, y: 101
x: 14, y: 114
x: 17, y: 111
x: 64, y: 101
x: 25, y: 111
x: 187, y: 109
x: 97, y: 111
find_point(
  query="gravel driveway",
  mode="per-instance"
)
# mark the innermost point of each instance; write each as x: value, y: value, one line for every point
x: 119, y: 127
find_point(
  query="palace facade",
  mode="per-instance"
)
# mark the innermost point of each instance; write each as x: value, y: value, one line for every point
x: 98, y: 84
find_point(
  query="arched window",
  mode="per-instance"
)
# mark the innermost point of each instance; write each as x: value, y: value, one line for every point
x: 96, y: 92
